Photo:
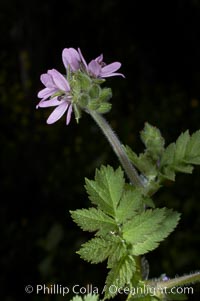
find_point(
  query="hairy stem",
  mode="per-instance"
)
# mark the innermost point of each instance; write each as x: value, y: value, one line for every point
x: 179, y: 281
x: 118, y: 149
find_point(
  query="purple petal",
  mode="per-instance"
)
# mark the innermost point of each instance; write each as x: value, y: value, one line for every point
x: 82, y: 59
x: 99, y: 59
x: 59, y: 80
x: 50, y: 103
x: 71, y: 58
x: 112, y: 74
x: 94, y: 68
x: 58, y: 113
x: 47, y: 80
x: 110, y: 68
x: 69, y: 113
x: 47, y: 92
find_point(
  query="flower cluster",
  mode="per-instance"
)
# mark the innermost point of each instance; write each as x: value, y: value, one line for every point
x: 79, y: 89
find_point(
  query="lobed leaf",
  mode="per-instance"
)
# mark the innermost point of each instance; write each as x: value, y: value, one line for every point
x: 106, y: 190
x: 96, y: 250
x: 130, y: 204
x: 119, y: 276
x: 153, y: 140
x: 138, y: 229
x: 93, y: 219
x: 154, y: 238
x: 181, y: 155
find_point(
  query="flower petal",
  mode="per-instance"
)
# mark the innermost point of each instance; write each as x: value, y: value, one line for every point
x: 82, y: 59
x: 69, y: 113
x: 47, y: 92
x: 99, y: 59
x: 112, y: 74
x: 50, y: 103
x: 108, y: 69
x: 47, y: 80
x: 94, y: 68
x: 59, y: 80
x: 71, y: 57
x: 58, y: 113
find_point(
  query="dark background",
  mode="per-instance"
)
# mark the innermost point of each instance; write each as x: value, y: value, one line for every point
x: 43, y: 167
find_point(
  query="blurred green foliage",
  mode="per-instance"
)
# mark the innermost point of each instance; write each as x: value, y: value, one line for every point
x: 43, y: 167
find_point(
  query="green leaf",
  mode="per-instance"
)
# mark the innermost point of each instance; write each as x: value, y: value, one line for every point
x: 179, y: 156
x: 88, y: 297
x: 93, y: 219
x: 129, y: 205
x: 142, y: 225
x: 77, y: 298
x: 144, y: 163
x: 155, y: 237
x: 193, y: 149
x: 168, y: 156
x: 153, y: 141
x: 106, y: 190
x: 119, y: 251
x: 181, y: 145
x: 96, y: 250
x: 91, y: 297
x: 119, y: 276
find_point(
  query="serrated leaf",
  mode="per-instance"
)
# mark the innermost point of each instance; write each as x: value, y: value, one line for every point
x: 77, y: 298
x: 129, y: 205
x: 93, y: 219
x: 193, y: 149
x: 142, y: 225
x: 91, y: 297
x: 106, y: 190
x: 179, y: 156
x: 153, y: 141
x: 154, y: 238
x: 96, y: 250
x: 88, y: 297
x: 119, y: 251
x: 181, y: 146
x: 119, y: 276
x: 168, y: 155
x: 144, y: 163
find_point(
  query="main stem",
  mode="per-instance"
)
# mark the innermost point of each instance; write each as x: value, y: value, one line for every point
x: 118, y: 149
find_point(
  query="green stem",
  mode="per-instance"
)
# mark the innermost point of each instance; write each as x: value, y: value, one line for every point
x: 118, y: 149
x: 179, y: 281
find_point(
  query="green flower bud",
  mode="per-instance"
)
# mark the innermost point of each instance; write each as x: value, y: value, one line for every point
x: 105, y: 94
x: 104, y: 107
x: 93, y: 105
x: 83, y: 100
x: 83, y: 80
x: 94, y: 91
x: 98, y: 80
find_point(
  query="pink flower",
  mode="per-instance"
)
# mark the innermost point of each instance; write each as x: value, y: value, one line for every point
x: 71, y: 58
x: 74, y: 60
x: 97, y: 68
x: 56, y: 94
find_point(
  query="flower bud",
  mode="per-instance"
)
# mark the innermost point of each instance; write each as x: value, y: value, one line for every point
x: 94, y: 91
x: 104, y: 107
x: 105, y: 94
